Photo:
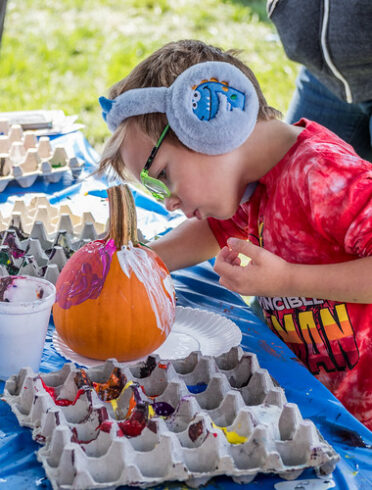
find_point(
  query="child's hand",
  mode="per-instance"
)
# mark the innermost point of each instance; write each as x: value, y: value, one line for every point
x: 265, y: 275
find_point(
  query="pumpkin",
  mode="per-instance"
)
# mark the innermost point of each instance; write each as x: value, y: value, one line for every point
x: 115, y: 296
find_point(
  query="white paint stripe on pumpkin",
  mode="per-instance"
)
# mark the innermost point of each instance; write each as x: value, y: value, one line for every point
x: 143, y: 265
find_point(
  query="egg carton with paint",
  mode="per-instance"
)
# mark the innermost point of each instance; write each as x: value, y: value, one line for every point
x: 36, y: 255
x: 155, y: 421
x: 24, y: 158
x: 38, y: 238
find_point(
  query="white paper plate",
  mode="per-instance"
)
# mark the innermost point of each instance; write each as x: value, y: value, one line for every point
x: 193, y: 330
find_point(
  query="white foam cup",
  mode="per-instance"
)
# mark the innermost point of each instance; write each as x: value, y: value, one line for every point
x: 25, y: 307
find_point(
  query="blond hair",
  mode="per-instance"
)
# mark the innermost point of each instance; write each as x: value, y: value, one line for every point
x: 160, y: 70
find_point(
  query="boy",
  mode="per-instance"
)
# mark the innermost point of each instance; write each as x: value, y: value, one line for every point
x: 298, y: 193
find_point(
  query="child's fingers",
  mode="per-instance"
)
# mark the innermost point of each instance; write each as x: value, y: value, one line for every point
x: 226, y: 266
x: 244, y: 247
x: 229, y: 256
x: 224, y: 252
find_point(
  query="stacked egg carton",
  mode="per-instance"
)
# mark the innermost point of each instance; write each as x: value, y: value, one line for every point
x: 37, y: 239
x: 156, y: 421
x: 23, y: 157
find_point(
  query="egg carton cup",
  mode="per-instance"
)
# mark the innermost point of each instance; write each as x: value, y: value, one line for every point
x: 24, y: 158
x: 38, y: 239
x: 155, y: 421
x: 54, y: 218
x: 36, y: 255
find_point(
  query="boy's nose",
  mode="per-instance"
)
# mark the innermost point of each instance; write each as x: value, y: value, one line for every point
x: 172, y: 203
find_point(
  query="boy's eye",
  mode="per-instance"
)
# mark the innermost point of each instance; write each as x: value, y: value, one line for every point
x: 162, y: 175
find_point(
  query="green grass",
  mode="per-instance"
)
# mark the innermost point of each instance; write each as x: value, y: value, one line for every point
x: 63, y: 54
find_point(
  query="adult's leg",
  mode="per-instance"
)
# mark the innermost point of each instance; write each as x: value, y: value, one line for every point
x: 367, y: 108
x: 314, y: 101
x: 2, y: 16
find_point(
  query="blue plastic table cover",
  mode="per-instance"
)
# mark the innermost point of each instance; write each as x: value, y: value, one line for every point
x: 197, y: 287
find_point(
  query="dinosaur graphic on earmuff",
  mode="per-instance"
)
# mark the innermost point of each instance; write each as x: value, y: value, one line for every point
x: 212, y: 107
x: 206, y: 101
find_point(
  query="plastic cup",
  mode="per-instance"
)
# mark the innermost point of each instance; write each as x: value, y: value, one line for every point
x: 25, y: 307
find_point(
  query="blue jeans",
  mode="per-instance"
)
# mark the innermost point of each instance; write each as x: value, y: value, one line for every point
x: 352, y: 122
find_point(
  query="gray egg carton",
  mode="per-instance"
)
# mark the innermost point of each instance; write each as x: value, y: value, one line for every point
x: 196, y: 418
x: 35, y: 255
x: 24, y: 158
x: 54, y: 217
x: 38, y: 239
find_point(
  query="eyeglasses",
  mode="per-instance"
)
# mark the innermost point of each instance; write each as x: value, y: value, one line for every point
x: 157, y: 188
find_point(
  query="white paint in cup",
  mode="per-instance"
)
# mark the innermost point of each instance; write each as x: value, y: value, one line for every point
x: 25, y: 307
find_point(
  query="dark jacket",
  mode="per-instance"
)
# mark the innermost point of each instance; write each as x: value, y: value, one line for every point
x: 332, y: 38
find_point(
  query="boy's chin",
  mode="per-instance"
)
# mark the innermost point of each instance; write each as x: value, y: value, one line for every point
x: 222, y: 216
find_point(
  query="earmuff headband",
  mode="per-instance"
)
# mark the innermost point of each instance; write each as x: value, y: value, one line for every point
x: 212, y: 107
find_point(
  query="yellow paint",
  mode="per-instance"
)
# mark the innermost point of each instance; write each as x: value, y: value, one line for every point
x: 151, y: 412
x: 231, y: 436
x: 114, y: 404
x: 127, y: 385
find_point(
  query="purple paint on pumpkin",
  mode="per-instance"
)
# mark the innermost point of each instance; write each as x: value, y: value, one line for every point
x: 88, y: 283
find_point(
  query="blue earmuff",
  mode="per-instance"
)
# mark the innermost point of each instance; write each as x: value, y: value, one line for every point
x: 212, y: 107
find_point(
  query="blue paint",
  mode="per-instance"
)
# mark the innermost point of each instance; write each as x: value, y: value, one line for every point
x: 198, y: 388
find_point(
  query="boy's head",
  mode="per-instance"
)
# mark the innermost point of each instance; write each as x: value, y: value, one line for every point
x: 161, y: 69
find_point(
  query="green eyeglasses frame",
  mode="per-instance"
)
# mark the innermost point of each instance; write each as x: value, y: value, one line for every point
x: 157, y: 188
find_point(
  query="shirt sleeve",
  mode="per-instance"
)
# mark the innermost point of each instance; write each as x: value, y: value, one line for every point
x: 358, y: 237
x: 339, y: 196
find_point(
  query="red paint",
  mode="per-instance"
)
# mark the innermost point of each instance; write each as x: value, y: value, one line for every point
x: 131, y: 427
x: 105, y: 426
x: 152, y: 397
x: 75, y: 438
x: 62, y: 402
x: 136, y: 423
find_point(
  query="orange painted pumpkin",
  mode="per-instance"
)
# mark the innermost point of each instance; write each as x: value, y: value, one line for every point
x: 115, y: 297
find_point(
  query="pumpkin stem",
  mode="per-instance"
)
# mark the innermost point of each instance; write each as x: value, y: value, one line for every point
x: 123, y: 218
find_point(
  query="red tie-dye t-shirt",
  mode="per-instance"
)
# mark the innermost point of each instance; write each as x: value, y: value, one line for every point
x: 315, y: 207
